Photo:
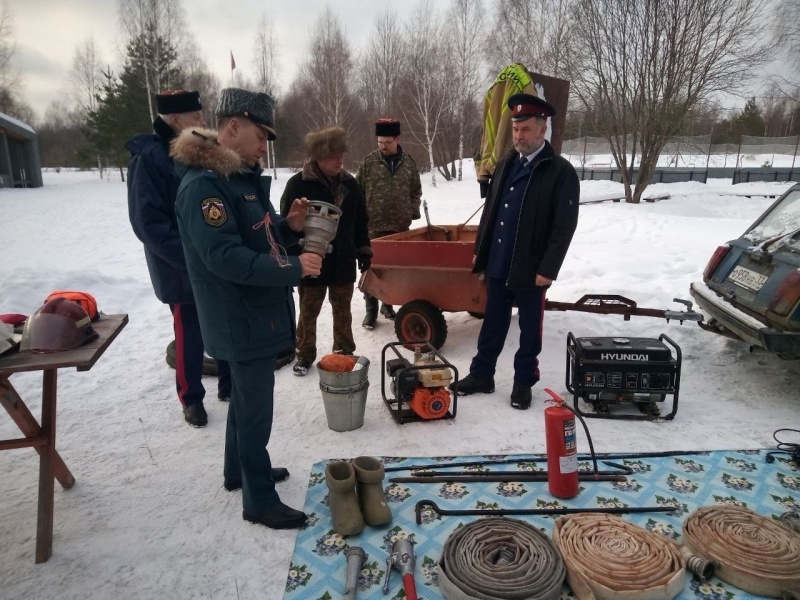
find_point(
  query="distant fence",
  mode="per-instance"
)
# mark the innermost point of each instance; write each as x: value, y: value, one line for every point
x: 673, y: 175
x: 762, y: 174
x: 667, y: 175
x: 695, y: 152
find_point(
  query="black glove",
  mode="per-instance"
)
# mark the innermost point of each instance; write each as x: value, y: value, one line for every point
x: 364, y: 262
x: 484, y: 188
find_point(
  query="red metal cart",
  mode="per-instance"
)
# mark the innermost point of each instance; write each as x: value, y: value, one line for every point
x: 428, y: 271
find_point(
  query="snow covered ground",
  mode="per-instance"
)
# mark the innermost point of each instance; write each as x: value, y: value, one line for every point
x: 148, y: 517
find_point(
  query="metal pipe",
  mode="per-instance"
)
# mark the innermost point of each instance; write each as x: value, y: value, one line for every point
x: 623, y: 470
x: 355, y: 561
x: 541, y: 458
x: 422, y: 504
x: 500, y: 477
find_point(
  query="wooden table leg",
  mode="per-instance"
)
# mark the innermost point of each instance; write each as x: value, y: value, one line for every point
x: 29, y: 426
x: 44, y: 526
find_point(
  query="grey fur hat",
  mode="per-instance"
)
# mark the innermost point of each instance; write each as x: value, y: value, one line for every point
x: 325, y: 143
x: 256, y: 106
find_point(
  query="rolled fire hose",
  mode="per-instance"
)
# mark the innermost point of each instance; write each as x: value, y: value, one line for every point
x: 500, y: 558
x: 608, y: 558
x: 754, y: 553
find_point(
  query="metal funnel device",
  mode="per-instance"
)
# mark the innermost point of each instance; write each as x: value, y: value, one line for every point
x: 322, y: 220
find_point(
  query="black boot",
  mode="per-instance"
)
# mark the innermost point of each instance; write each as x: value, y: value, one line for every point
x: 372, y: 312
x: 387, y: 310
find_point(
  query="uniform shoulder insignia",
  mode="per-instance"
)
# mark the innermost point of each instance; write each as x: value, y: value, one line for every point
x: 214, y: 211
x: 209, y: 174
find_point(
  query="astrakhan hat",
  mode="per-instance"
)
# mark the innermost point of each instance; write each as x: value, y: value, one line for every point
x: 256, y: 106
x: 170, y: 102
x: 387, y: 128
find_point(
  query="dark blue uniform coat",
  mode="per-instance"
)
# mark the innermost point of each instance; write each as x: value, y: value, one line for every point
x: 243, y: 293
x: 152, y: 187
x: 241, y: 275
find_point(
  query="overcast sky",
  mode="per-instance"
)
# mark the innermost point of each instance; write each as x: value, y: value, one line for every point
x: 48, y: 31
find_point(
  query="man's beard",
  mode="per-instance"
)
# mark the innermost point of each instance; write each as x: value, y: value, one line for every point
x: 526, y: 148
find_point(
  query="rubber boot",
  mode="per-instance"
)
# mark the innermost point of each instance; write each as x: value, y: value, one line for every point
x: 341, y: 480
x: 372, y: 312
x: 369, y: 477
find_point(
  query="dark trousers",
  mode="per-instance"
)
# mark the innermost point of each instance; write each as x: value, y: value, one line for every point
x: 311, y: 299
x: 496, y: 321
x: 247, y: 434
x: 189, y: 357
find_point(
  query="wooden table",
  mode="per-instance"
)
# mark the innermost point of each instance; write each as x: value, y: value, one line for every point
x: 43, y: 437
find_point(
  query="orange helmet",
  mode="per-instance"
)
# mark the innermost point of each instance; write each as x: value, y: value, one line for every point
x: 58, y: 325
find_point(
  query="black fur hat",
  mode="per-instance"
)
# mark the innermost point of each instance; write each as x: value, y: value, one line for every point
x: 256, y: 106
x: 387, y: 128
x: 170, y: 102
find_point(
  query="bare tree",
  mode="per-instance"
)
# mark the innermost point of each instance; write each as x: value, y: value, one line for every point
x: 532, y: 32
x: 425, y: 77
x: 10, y: 77
x: 381, y: 65
x: 641, y: 65
x: 61, y: 134
x: 326, y: 73
x: 197, y: 76
x: 85, y: 78
x: 464, y: 39
x: 265, y: 54
x: 160, y: 26
x: 788, y: 31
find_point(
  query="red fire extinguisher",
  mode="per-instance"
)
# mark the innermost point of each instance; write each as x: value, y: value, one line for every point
x: 562, y: 450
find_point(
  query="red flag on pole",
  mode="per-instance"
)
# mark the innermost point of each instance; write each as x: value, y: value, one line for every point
x: 233, y: 62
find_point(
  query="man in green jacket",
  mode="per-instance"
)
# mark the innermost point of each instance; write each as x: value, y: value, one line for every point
x: 235, y: 247
x: 390, y: 181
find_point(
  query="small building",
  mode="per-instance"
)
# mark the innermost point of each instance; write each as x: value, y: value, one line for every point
x: 19, y: 154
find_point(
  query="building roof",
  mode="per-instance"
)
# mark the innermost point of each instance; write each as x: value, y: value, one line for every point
x: 16, y: 127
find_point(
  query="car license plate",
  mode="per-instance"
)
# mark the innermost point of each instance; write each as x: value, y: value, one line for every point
x: 747, y: 278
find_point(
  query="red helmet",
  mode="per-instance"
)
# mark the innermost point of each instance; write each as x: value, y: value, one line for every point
x: 58, y: 325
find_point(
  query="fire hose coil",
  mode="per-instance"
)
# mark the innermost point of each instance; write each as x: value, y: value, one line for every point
x: 754, y: 553
x: 500, y: 558
x: 608, y: 558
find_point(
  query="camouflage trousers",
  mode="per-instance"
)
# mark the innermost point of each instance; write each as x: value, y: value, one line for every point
x: 311, y: 299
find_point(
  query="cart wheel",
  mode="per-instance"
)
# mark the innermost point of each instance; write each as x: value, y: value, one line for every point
x: 209, y: 366
x: 419, y: 320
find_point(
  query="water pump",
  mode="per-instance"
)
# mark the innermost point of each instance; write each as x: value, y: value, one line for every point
x: 419, y: 387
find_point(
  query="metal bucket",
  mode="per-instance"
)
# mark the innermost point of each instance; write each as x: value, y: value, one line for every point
x: 345, y: 396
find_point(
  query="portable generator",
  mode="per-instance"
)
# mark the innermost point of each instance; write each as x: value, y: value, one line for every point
x: 419, y: 387
x: 608, y: 371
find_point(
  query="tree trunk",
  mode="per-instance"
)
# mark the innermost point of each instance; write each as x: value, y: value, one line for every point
x: 430, y: 158
x: 460, y: 149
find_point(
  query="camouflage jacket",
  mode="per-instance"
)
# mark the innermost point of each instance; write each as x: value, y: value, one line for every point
x: 392, y: 199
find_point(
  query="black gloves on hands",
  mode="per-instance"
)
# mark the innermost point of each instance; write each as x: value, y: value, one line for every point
x: 364, y: 262
x: 484, y: 185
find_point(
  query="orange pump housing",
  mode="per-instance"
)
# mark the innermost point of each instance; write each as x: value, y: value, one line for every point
x: 430, y: 403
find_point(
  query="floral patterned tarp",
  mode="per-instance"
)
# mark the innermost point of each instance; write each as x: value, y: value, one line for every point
x: 318, y: 566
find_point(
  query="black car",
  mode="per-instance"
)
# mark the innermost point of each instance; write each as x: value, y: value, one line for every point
x: 751, y: 285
